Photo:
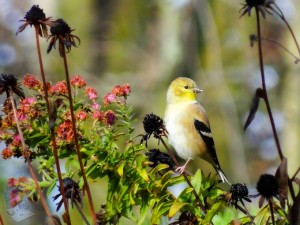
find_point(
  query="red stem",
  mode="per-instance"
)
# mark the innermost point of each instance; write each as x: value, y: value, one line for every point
x: 1, y: 220
x: 261, y: 63
x: 55, y: 152
x: 86, y: 185
x: 44, y: 203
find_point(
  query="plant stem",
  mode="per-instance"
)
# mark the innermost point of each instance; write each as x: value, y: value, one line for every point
x: 261, y: 63
x: 248, y: 214
x: 55, y: 152
x: 81, y: 213
x: 184, y: 175
x: 280, y: 14
x: 284, y: 48
x: 272, y: 212
x: 86, y: 185
x: 25, y: 151
x: 298, y: 170
x: 1, y: 220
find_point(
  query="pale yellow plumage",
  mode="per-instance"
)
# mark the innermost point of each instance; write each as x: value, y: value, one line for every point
x: 188, y: 125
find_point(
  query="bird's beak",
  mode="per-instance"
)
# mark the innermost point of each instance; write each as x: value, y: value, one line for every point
x: 197, y: 90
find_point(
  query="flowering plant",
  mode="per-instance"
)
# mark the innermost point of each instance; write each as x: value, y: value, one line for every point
x: 96, y: 138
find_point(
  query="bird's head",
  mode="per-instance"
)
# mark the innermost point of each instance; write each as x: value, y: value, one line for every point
x: 182, y: 89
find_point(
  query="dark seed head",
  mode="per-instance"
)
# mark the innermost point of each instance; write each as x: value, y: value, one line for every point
x: 187, y: 218
x: 267, y: 186
x: 157, y: 157
x: 60, y: 27
x: 238, y: 190
x: 153, y: 124
x: 35, y: 14
x: 69, y: 184
x: 8, y: 80
x: 253, y: 3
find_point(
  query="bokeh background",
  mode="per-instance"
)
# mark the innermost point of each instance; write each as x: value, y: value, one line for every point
x: 149, y: 43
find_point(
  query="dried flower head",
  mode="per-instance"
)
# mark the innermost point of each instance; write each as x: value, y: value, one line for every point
x: 262, y: 6
x: 267, y: 187
x: 71, y: 190
x: 9, y: 82
x: 238, y: 193
x: 36, y: 17
x: 156, y: 157
x: 186, y: 218
x: 153, y: 124
x: 61, y: 31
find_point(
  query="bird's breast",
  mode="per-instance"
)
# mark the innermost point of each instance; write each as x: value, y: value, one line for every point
x: 182, y: 133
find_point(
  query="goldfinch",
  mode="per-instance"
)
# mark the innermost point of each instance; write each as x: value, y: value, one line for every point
x: 188, y: 126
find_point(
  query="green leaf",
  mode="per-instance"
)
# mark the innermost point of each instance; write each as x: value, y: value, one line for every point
x: 158, y: 168
x: 262, y: 216
x: 71, y: 162
x: 167, y: 176
x: 143, y: 214
x: 143, y: 173
x: 173, y: 181
x: 175, y: 208
x: 215, y: 209
x: 121, y: 167
x: 51, y: 187
x: 245, y: 220
x: 185, y: 194
x: 196, y: 181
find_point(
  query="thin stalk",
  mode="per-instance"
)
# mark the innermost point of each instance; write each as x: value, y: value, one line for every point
x: 280, y: 14
x: 81, y: 213
x: 86, y: 185
x: 33, y: 175
x: 272, y: 212
x: 298, y: 170
x: 266, y: 98
x: 248, y: 214
x: 1, y: 220
x: 284, y: 48
x: 55, y: 152
x: 184, y: 175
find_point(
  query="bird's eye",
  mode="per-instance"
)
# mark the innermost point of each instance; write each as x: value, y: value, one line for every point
x: 186, y: 87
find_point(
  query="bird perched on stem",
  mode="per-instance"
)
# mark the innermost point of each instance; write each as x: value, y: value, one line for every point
x: 188, y: 125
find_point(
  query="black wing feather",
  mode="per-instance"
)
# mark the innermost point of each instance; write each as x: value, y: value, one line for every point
x: 205, y: 133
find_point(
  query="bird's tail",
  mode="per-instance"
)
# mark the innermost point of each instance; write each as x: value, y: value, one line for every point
x: 222, y: 175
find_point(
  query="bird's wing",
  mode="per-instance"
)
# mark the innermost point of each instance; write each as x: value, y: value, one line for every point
x: 206, y: 135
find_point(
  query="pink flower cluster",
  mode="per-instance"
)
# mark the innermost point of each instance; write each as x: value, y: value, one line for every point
x: 118, y: 94
x: 59, y: 88
x: 27, y: 109
x: 17, y: 193
x: 77, y: 81
x: 108, y: 117
x: 31, y: 82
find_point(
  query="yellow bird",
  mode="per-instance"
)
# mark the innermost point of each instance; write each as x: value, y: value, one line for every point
x: 188, y: 125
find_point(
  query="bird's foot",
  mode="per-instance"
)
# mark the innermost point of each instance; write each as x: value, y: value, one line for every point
x: 182, y: 169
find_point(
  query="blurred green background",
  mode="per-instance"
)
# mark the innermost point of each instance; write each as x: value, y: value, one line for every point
x: 149, y: 43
